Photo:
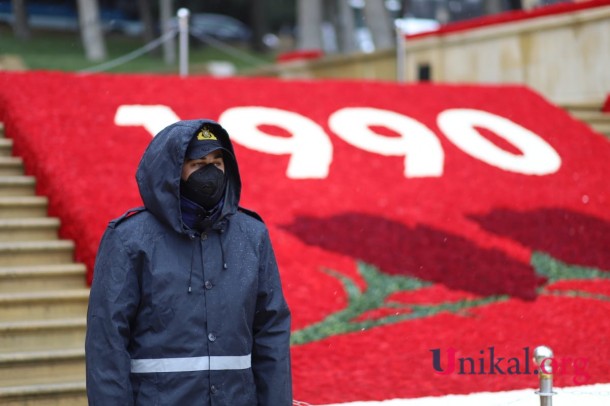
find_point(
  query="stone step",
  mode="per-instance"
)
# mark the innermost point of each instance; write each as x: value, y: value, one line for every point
x: 42, y: 367
x: 24, y: 229
x: 32, y: 335
x: 43, y: 305
x: 36, y: 278
x: 590, y: 114
x: 593, y: 105
x: 591, y: 117
x: 55, y: 394
x: 17, y: 185
x: 43, y: 298
x: 602, y: 128
x: 23, y: 253
x: 23, y: 206
x: 11, y: 166
x: 6, y: 147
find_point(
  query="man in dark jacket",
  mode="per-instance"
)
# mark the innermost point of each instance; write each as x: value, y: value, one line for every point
x: 186, y: 305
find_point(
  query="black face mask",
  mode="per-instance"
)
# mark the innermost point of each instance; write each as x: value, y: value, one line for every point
x: 205, y: 186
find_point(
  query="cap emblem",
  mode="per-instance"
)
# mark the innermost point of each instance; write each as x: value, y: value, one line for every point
x: 206, y: 135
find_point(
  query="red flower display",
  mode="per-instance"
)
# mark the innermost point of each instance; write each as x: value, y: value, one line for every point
x: 301, y: 55
x: 405, y: 218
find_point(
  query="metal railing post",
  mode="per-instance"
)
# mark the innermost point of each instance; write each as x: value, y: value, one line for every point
x: 183, y: 28
x: 543, y: 357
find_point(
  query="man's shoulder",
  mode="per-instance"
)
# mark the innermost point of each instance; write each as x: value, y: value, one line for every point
x: 250, y: 213
x: 129, y: 214
x: 249, y: 221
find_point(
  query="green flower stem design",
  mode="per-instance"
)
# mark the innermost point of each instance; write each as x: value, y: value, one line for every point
x: 379, y: 286
x: 555, y: 271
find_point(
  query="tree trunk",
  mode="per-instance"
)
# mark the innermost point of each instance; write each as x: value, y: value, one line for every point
x: 258, y: 21
x: 379, y: 22
x: 91, y: 30
x: 493, y: 7
x: 148, y: 23
x: 405, y: 8
x: 309, y: 19
x: 166, y: 12
x: 346, y: 28
x: 21, y: 27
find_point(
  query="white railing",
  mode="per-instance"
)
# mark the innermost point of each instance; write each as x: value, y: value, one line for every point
x: 182, y: 32
x: 183, y: 29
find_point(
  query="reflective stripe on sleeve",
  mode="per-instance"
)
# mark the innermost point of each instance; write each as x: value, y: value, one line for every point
x: 215, y: 363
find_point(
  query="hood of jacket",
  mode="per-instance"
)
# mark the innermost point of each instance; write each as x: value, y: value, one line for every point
x: 158, y: 174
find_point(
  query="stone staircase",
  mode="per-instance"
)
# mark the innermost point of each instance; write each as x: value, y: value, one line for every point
x: 591, y: 114
x: 43, y: 298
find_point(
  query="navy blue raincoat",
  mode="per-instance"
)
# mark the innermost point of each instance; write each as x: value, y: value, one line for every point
x: 179, y: 317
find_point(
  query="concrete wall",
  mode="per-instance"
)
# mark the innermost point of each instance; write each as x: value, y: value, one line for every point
x: 565, y: 57
x: 380, y: 65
